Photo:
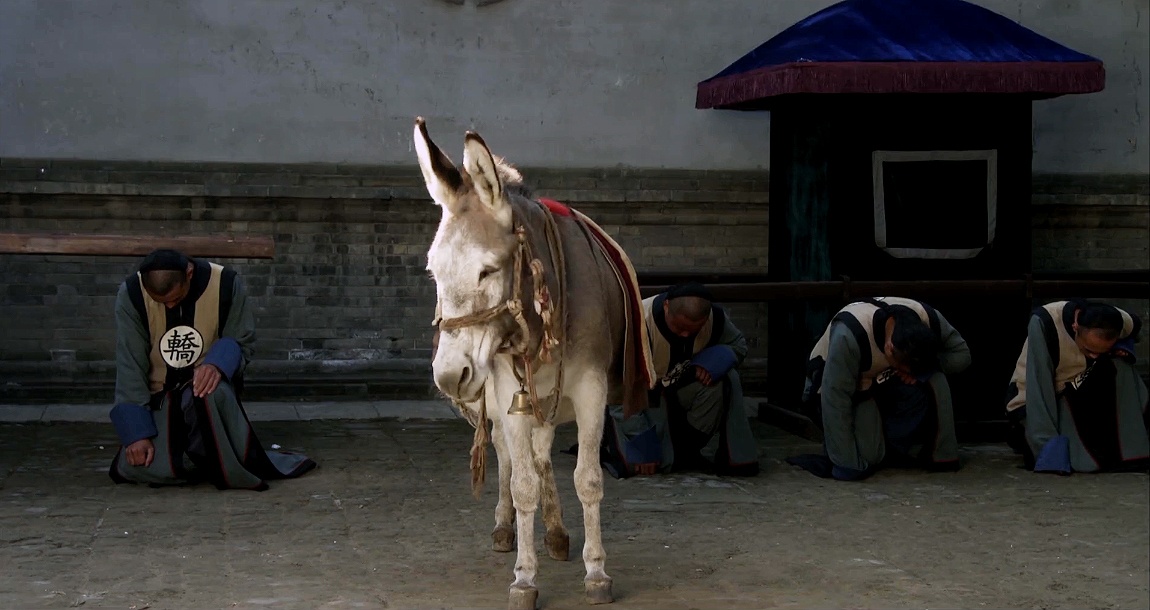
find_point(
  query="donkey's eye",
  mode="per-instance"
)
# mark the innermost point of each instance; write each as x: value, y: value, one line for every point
x: 486, y: 272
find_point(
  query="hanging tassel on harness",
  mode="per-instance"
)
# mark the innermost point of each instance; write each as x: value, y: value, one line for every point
x: 544, y: 308
x: 479, y: 451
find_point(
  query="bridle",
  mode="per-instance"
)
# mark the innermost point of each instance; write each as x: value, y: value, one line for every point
x: 518, y: 342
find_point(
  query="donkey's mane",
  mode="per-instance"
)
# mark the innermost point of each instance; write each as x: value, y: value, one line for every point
x: 512, y: 179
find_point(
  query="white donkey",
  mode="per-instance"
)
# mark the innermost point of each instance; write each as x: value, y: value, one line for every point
x: 552, y: 361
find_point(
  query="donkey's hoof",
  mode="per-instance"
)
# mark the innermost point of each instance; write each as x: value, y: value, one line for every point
x: 522, y: 598
x: 599, y: 591
x: 503, y: 539
x: 558, y: 544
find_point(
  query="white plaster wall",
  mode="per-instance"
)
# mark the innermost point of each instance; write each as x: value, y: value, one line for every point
x: 555, y: 83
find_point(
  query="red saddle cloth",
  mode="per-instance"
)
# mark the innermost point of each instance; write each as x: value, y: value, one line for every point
x: 555, y: 207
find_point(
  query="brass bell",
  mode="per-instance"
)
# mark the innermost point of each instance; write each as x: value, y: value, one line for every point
x: 520, y: 404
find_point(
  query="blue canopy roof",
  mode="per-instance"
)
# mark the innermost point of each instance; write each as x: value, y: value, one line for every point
x: 903, y: 46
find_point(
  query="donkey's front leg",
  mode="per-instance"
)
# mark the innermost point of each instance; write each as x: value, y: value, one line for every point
x: 557, y: 541
x: 517, y: 431
x: 503, y: 536
x: 590, y: 398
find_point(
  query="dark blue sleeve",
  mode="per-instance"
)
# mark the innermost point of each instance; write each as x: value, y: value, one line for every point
x: 717, y: 360
x: 132, y: 423
x: 1126, y: 344
x: 225, y: 355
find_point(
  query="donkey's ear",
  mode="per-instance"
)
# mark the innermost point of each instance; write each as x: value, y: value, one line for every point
x: 441, y: 176
x: 480, y: 165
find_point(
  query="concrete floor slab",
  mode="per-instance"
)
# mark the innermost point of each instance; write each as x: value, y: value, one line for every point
x: 416, y: 409
x: 271, y: 411
x: 336, y: 410
x: 21, y: 413
x: 92, y: 413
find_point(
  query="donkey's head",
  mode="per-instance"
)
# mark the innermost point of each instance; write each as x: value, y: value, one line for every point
x: 471, y: 259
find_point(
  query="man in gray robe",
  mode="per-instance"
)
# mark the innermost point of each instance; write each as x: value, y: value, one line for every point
x: 876, y: 382
x: 1075, y: 401
x: 696, y: 350
x: 184, y: 334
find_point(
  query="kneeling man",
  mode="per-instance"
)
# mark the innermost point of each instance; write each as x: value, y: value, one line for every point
x: 876, y: 382
x: 1076, y: 402
x: 184, y: 334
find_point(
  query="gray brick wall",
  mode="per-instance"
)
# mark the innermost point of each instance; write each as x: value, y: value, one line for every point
x: 347, y: 288
x: 347, y: 292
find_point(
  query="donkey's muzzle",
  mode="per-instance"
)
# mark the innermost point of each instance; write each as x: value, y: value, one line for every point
x: 459, y: 382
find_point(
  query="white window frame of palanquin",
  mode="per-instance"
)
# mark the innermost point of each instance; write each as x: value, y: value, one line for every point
x: 879, y: 157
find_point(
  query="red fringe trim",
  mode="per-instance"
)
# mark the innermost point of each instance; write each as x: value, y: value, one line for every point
x: 1039, y: 78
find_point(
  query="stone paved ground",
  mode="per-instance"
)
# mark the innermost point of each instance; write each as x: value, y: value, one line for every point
x: 387, y: 521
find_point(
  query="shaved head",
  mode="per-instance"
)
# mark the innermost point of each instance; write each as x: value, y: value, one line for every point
x: 163, y: 281
x: 692, y: 308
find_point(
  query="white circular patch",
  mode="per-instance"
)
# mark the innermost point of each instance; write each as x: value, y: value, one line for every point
x: 181, y: 346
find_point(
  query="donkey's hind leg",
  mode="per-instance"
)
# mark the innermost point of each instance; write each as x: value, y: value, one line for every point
x: 590, y: 397
x: 557, y: 541
x: 503, y: 536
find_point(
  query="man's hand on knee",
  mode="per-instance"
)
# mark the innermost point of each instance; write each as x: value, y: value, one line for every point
x: 205, y: 380
x: 140, y: 453
x: 703, y: 376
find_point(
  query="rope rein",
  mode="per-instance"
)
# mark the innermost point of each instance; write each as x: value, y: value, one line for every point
x: 518, y: 342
